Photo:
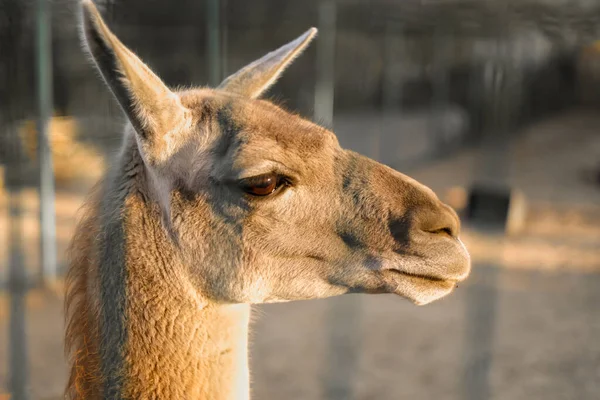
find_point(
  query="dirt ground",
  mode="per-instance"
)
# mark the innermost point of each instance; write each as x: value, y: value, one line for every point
x: 524, y: 326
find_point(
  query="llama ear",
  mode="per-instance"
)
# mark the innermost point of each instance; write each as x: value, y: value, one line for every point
x: 257, y: 77
x: 151, y: 107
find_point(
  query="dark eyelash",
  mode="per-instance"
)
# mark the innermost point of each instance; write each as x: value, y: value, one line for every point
x: 258, y: 178
x: 255, y: 180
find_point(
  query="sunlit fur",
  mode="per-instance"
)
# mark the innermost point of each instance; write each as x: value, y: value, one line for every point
x: 170, y: 251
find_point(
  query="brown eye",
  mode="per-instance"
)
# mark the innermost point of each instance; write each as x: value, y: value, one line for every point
x: 262, y: 185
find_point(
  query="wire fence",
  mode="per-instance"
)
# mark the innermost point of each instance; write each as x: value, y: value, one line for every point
x: 407, y: 83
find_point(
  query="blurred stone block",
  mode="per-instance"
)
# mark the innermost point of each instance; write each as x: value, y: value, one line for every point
x: 496, y: 207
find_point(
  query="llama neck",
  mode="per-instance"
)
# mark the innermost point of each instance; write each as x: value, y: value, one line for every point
x: 172, y: 342
x: 177, y: 352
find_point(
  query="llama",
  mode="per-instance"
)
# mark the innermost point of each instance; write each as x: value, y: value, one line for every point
x: 219, y: 200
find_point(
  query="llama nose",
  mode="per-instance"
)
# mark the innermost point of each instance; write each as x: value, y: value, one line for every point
x: 443, y: 221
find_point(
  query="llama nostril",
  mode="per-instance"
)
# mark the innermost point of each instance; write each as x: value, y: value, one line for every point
x: 446, y: 223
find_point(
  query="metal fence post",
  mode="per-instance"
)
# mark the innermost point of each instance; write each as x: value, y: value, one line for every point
x: 489, y: 205
x: 393, y: 68
x: 441, y: 62
x: 46, y: 170
x: 224, y: 29
x: 325, y: 85
x: 343, y: 312
x: 19, y: 376
x: 13, y: 79
x: 213, y: 43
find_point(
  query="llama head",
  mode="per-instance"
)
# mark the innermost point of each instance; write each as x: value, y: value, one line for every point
x: 266, y: 206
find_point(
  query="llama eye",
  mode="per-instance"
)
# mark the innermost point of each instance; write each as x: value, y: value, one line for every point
x: 262, y: 185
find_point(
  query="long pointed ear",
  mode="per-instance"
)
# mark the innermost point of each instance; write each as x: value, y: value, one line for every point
x: 154, y: 110
x: 255, y: 78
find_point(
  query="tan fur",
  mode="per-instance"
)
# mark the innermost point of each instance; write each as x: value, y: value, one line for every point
x: 169, y: 319
x: 198, y: 250
x: 81, y: 338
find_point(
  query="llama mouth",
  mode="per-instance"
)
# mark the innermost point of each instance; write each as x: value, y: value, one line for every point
x: 428, y: 278
x: 420, y: 289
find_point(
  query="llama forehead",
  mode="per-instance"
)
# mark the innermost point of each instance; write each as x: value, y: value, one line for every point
x: 250, y: 132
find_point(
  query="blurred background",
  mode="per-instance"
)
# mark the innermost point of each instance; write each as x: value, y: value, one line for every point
x: 493, y: 104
